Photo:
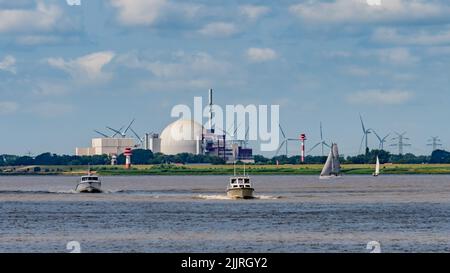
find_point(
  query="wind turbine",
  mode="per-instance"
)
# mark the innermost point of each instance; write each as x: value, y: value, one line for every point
x: 285, y: 141
x: 382, y: 140
x: 322, y: 142
x: 120, y: 132
x: 366, y: 133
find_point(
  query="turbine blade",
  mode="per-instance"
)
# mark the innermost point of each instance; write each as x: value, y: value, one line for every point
x: 137, y: 136
x: 129, y: 126
x: 321, y: 133
x: 362, y: 124
x: 100, y: 133
x: 360, y: 145
x: 313, y: 147
x: 114, y: 130
x: 282, y: 132
x: 279, y: 148
x: 375, y: 132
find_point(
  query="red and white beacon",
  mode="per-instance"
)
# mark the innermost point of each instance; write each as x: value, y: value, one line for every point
x: 128, y: 152
x: 302, y: 139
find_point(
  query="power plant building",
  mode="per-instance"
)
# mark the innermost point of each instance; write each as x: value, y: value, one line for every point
x: 181, y: 136
x: 108, y: 146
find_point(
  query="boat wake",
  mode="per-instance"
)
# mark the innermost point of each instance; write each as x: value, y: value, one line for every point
x: 38, y: 192
x: 268, y: 197
x: 224, y: 197
x: 151, y: 194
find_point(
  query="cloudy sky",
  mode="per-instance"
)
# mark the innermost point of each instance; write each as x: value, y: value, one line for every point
x: 66, y: 70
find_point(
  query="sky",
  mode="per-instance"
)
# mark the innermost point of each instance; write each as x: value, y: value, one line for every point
x: 67, y: 70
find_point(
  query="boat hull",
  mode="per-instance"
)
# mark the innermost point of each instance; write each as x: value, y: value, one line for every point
x: 240, y: 193
x: 89, y: 187
x: 325, y: 177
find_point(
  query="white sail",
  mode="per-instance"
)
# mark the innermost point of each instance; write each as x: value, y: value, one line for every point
x: 328, y: 167
x: 377, y: 167
x: 332, y: 166
x: 336, y: 162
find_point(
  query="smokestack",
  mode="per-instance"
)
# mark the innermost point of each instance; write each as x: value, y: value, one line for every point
x: 147, y: 141
x: 210, y: 110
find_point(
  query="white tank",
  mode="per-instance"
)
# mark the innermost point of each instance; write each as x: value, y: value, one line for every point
x: 181, y: 136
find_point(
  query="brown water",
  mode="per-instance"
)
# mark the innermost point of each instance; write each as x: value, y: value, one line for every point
x: 192, y: 214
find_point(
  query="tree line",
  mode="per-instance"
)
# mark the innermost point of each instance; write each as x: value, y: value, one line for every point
x: 139, y: 157
x: 147, y: 157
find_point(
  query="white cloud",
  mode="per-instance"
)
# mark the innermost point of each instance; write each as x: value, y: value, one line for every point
x: 253, y: 12
x: 219, y: 29
x: 398, y: 56
x: 30, y: 40
x: 8, y: 107
x: 183, y: 66
x: 87, y: 68
x: 392, y: 36
x: 8, y: 64
x: 261, y: 54
x: 357, y: 71
x: 138, y: 12
x: 391, y: 97
x: 358, y: 11
x: 181, y: 71
x: 42, y: 18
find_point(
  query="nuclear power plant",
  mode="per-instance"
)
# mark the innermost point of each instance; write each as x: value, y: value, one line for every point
x: 181, y: 136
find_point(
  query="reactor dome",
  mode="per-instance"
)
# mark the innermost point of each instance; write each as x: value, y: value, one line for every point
x: 182, y: 136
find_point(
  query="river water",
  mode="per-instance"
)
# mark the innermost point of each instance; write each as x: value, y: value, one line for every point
x: 192, y: 214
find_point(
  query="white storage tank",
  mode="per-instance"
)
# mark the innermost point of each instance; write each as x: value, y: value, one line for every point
x: 181, y: 136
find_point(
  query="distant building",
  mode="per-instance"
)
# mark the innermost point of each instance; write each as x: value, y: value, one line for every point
x: 182, y: 136
x: 188, y: 136
x: 106, y: 146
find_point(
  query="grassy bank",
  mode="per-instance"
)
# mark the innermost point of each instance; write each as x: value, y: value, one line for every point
x: 224, y: 169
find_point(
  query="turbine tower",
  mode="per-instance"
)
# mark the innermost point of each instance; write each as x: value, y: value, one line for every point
x: 322, y: 142
x: 401, y: 142
x: 435, y: 143
x: 381, y: 139
x: 365, y: 137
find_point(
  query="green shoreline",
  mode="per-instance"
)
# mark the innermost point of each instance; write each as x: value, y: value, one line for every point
x: 347, y: 169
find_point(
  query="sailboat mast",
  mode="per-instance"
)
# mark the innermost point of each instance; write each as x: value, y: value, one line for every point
x: 333, y: 171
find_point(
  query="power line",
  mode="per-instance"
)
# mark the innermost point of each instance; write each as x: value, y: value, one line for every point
x: 401, y: 142
x: 435, y: 143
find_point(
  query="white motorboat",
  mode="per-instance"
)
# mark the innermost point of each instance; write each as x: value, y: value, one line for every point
x: 89, y: 184
x: 240, y: 187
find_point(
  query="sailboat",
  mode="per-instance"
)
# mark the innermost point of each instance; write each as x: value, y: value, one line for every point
x: 332, y: 167
x: 377, y: 168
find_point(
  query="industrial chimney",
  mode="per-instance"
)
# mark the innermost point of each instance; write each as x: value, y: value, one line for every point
x: 210, y: 110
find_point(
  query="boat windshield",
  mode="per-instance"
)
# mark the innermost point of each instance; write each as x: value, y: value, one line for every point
x: 89, y: 178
